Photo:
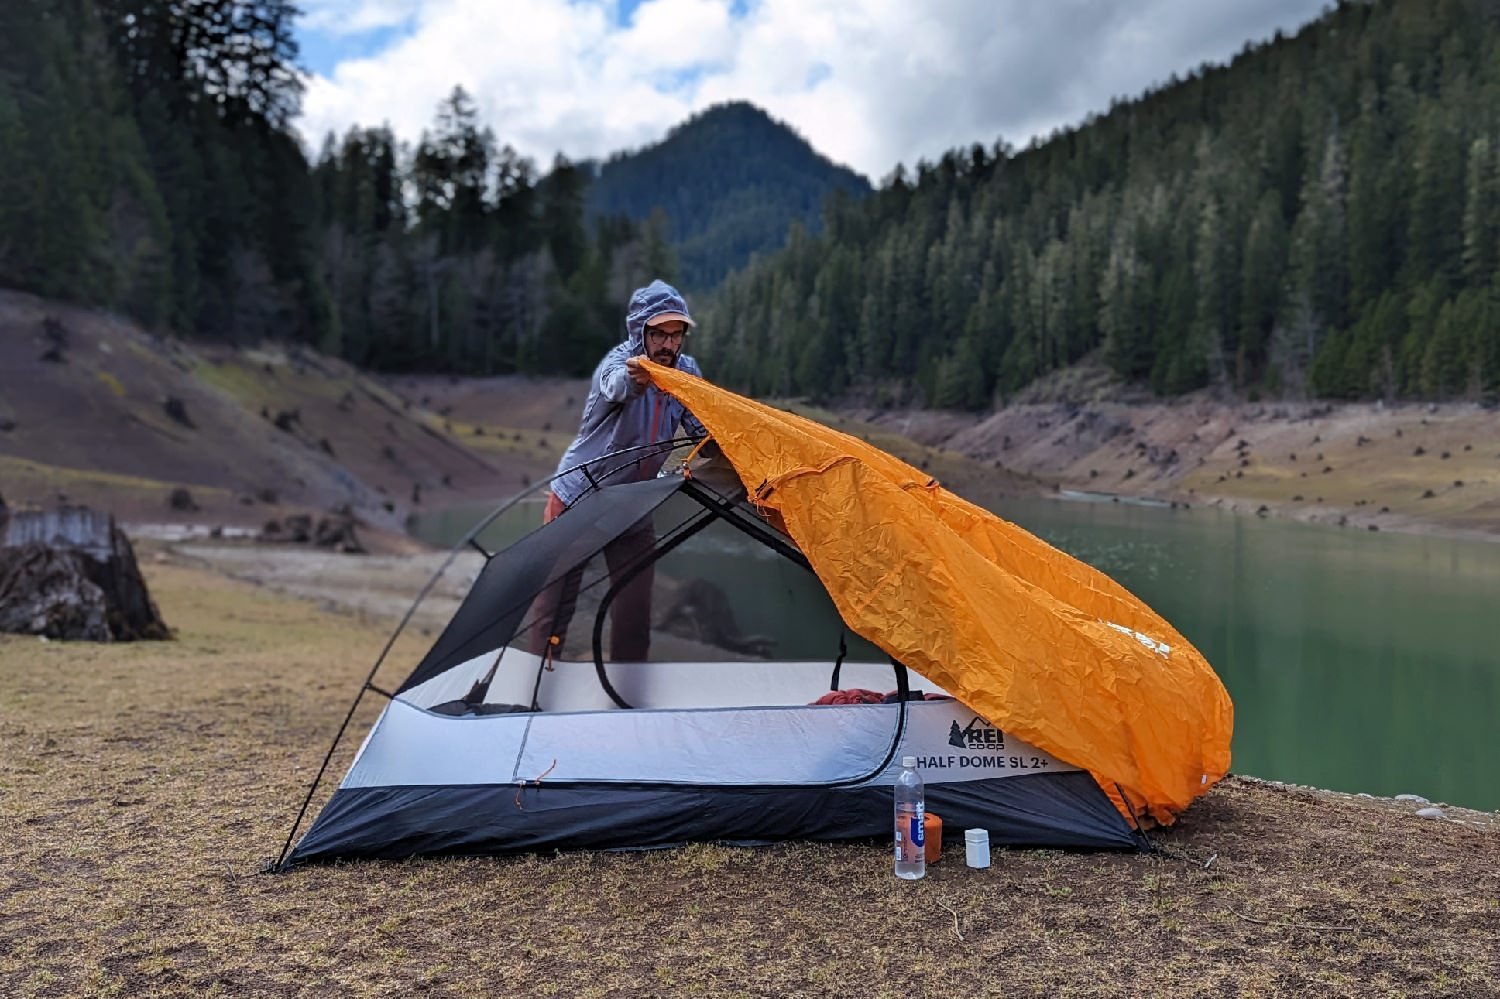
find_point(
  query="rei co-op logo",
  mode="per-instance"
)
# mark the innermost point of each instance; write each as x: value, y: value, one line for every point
x: 976, y: 735
x: 1160, y: 648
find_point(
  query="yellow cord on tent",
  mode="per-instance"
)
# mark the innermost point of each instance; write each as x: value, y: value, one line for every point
x: 687, y: 473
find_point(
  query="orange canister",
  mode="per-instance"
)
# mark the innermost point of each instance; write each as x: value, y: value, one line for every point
x: 932, y: 833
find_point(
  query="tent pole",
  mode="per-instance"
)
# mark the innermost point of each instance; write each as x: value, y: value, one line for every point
x: 280, y: 864
x: 1146, y: 845
x: 616, y: 585
x: 838, y: 664
x: 467, y: 540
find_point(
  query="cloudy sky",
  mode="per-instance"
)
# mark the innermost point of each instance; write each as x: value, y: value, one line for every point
x: 870, y: 83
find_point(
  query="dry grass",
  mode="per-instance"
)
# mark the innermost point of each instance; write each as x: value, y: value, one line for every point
x: 27, y: 478
x: 144, y: 785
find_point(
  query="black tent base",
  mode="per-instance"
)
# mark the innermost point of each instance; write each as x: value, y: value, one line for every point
x: 1056, y: 810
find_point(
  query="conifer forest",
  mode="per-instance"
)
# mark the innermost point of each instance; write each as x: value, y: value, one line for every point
x: 1318, y: 218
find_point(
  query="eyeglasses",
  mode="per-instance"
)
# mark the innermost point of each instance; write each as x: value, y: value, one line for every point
x: 666, y: 336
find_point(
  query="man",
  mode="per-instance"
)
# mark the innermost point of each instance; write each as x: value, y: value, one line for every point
x: 623, y: 410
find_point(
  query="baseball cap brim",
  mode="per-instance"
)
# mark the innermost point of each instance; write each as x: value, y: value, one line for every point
x: 663, y: 317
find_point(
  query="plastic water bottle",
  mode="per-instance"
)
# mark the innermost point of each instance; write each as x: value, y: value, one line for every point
x: 911, y: 847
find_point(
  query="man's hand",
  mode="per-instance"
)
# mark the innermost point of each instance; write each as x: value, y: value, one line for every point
x: 637, y: 371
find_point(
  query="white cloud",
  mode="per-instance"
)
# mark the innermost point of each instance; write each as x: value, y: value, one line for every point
x: 869, y: 82
x: 674, y: 34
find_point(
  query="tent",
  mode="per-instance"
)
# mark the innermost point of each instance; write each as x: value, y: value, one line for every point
x: 1043, y: 701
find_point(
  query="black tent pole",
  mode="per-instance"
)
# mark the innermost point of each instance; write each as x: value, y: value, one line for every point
x: 680, y: 534
x: 280, y: 863
x: 468, y: 539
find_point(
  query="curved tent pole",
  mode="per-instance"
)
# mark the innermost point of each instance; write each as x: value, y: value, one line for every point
x: 650, y: 451
x: 717, y: 507
x: 380, y: 659
x: 903, y: 689
x: 480, y: 689
x: 681, y: 534
x: 660, y: 447
x: 838, y: 664
x: 720, y: 511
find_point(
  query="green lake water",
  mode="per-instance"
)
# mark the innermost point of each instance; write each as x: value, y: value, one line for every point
x: 1357, y: 661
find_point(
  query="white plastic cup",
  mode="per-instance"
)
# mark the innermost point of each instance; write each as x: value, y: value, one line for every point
x: 977, y: 847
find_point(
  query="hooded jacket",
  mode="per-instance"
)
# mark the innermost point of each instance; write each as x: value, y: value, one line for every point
x: 620, y: 414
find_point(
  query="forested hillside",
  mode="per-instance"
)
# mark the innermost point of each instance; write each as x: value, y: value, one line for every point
x: 728, y: 181
x: 147, y: 164
x: 458, y: 257
x: 1322, y: 215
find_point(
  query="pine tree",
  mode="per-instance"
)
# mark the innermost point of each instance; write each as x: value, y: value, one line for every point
x: 1124, y: 315
x: 658, y: 260
x: 235, y: 59
x: 1261, y: 289
x: 1374, y: 241
x: 562, y: 195
x: 1435, y: 233
x: 1481, y: 228
x: 1318, y: 241
x: 451, y: 174
x: 1442, y: 371
x: 1418, y: 372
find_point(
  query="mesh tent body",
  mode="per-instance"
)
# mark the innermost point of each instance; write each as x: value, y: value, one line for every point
x: 585, y: 753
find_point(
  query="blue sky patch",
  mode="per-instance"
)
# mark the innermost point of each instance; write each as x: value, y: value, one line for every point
x: 321, y: 52
x: 626, y: 10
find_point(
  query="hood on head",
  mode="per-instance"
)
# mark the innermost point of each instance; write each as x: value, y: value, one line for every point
x: 657, y: 298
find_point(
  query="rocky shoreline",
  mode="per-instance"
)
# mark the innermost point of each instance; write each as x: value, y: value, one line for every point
x: 1403, y: 804
x: 1418, y: 468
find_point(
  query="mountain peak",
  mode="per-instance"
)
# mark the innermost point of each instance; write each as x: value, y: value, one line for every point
x: 731, y: 179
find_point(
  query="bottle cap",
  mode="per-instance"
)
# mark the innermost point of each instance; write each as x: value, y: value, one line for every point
x: 909, y: 762
x: 977, y: 835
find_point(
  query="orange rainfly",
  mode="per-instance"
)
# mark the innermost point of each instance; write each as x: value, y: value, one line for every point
x: 1032, y: 639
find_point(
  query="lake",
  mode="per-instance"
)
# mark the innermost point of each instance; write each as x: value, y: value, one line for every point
x: 1357, y: 661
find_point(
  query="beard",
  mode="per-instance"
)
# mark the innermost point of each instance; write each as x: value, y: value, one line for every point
x: 666, y: 358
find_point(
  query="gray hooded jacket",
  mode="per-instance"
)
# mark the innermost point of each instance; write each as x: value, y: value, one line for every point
x: 620, y: 414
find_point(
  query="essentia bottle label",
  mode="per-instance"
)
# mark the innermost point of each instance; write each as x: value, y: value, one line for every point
x: 911, y: 832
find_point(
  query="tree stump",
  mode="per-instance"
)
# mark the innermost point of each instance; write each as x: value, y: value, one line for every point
x: 336, y: 531
x: 71, y: 573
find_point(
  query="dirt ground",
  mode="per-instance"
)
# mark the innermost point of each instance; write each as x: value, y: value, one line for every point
x: 145, y: 786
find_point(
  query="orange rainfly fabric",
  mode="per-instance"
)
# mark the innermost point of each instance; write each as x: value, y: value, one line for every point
x: 1038, y: 643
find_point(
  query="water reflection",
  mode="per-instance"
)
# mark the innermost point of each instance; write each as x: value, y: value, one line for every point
x: 1357, y: 661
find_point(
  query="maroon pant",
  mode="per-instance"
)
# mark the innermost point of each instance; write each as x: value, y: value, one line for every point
x: 629, y: 612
